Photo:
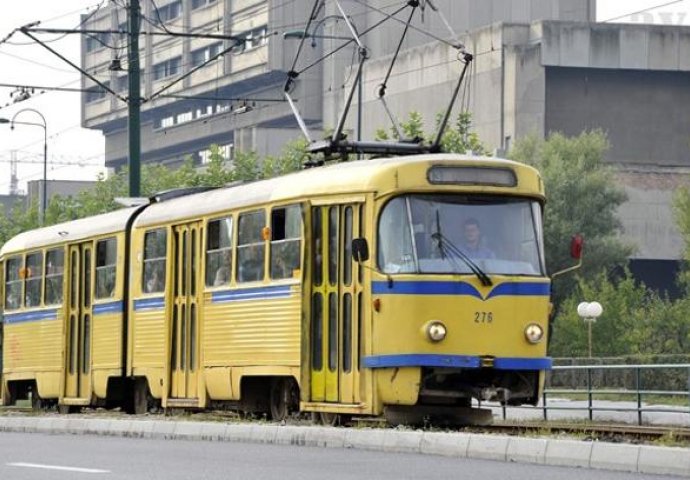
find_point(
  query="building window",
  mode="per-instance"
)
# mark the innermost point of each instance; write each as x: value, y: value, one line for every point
x: 201, y: 3
x: 167, y: 68
x: 96, y: 93
x: 226, y: 151
x: 253, y: 39
x: 205, y: 54
x: 95, y: 41
x: 286, y: 233
x: 122, y: 83
x: 106, y: 262
x: 55, y: 267
x: 166, y: 13
x: 153, y: 278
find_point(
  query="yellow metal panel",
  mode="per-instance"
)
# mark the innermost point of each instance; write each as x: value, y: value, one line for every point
x: 503, y: 336
x: 265, y: 332
x: 33, y: 346
x: 107, y: 341
x: 149, y: 338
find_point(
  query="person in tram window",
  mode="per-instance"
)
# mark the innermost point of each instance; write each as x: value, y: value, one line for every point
x: 473, y: 245
x: 222, y: 276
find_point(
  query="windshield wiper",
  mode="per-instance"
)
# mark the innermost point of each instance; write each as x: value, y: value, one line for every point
x: 445, y: 244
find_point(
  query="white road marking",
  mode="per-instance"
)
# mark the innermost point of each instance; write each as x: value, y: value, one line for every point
x: 58, y: 467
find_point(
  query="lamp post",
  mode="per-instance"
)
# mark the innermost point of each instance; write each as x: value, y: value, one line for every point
x: 589, y: 312
x: 44, y: 126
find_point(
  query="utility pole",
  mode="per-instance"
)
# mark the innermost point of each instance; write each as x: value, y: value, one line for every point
x: 134, y: 103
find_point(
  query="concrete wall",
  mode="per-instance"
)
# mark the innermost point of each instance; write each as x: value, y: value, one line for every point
x: 638, y: 109
x: 647, y: 216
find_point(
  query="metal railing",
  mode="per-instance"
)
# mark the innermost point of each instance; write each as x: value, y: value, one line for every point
x: 594, y: 392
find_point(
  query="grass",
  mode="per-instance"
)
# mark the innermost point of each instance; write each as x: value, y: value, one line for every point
x: 669, y: 400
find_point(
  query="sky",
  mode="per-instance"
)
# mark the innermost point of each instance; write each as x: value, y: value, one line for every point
x: 78, y: 154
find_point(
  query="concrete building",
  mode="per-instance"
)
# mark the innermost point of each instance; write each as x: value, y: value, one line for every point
x: 540, y: 66
x: 632, y: 81
x: 63, y: 188
x: 182, y: 119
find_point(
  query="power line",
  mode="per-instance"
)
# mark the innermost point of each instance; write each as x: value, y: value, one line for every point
x: 642, y: 11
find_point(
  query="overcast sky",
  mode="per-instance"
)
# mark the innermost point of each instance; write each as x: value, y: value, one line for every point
x: 23, y: 62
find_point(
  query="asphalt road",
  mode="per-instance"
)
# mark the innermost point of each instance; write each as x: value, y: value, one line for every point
x: 57, y: 457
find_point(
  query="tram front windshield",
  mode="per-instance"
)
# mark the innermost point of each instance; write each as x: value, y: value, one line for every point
x: 432, y: 234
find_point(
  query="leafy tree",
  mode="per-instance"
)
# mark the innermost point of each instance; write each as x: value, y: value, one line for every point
x: 582, y: 197
x: 635, y: 321
x: 458, y: 137
x: 681, y: 203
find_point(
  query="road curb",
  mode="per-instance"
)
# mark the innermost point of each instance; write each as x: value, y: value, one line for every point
x: 543, y: 451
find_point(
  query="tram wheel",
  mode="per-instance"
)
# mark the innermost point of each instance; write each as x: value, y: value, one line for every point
x: 334, y: 419
x: 67, y: 409
x: 284, y: 398
x: 37, y: 403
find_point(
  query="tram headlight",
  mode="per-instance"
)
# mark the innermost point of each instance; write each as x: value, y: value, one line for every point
x: 436, y: 331
x: 534, y: 333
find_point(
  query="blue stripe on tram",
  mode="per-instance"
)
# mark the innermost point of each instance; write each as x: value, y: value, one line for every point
x: 256, y: 293
x: 398, y: 287
x: 34, y: 316
x: 455, y: 361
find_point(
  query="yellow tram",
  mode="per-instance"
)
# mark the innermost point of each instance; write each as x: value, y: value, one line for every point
x: 409, y: 284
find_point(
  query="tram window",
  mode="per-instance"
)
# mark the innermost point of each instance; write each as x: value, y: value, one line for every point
x: 286, y: 232
x: 347, y: 259
x: 218, y: 252
x: 106, y: 264
x: 250, y: 246
x: 317, y: 235
x: 347, y: 333
x: 153, y: 279
x: 55, y: 268
x: 317, y: 332
x: 332, y: 245
x: 13, y: 283
x: 87, y: 277
x: 34, y: 280
x: 332, y: 332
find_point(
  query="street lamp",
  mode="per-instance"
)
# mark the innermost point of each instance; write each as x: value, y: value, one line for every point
x: 44, y: 126
x: 589, y: 312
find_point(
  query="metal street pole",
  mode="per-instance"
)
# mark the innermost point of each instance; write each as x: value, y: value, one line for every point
x: 134, y: 101
x: 44, y: 126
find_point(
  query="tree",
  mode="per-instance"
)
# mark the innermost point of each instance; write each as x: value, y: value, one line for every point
x: 582, y: 197
x: 458, y: 137
x: 681, y: 204
x: 636, y: 321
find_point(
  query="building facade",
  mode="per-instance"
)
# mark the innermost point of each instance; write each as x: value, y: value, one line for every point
x: 540, y: 66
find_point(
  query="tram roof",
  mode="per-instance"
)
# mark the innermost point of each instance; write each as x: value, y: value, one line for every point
x: 68, y: 232
x: 337, y: 179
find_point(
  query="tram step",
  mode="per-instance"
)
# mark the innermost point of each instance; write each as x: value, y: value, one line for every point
x: 182, y: 403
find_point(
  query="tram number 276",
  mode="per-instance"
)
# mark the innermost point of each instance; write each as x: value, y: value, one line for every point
x: 483, y: 317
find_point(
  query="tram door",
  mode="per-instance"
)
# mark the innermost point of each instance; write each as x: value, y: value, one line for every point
x: 78, y: 331
x: 335, y: 304
x: 184, y: 328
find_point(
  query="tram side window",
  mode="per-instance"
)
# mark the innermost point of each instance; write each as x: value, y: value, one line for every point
x: 286, y: 232
x: 55, y: 267
x: 218, y: 252
x: 106, y: 268
x: 154, y: 261
x: 34, y: 280
x: 250, y: 246
x: 13, y: 283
